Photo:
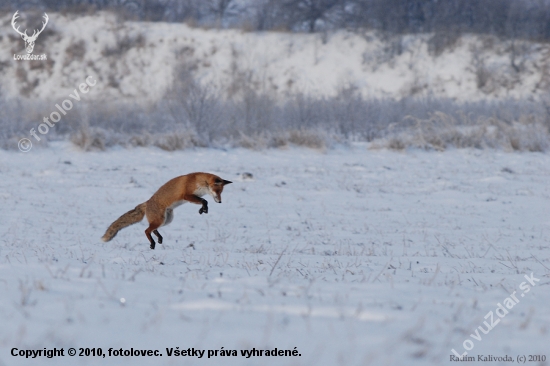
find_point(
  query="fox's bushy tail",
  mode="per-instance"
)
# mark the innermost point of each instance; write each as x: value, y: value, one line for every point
x: 129, y: 218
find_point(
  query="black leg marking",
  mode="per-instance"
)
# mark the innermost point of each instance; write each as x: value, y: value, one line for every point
x: 204, y: 208
x: 150, y: 239
x: 158, y: 236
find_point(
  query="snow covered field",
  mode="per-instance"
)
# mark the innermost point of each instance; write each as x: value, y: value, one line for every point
x: 353, y: 256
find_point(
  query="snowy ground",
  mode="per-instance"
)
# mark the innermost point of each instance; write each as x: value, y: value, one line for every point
x: 354, y: 257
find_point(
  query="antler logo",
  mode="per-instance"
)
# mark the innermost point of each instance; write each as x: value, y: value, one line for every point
x: 29, y: 40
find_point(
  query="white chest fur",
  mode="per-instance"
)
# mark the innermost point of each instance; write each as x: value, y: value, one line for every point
x: 201, y: 191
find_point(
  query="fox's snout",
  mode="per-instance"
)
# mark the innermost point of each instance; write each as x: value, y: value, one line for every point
x: 218, y: 188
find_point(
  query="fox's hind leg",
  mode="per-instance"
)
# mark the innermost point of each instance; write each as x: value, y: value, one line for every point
x: 153, y: 228
x: 156, y: 232
x: 156, y: 218
x: 168, y: 217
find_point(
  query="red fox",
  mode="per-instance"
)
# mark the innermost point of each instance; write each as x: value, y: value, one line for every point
x: 159, y: 209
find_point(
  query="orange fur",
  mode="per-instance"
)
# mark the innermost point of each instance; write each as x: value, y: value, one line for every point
x: 159, y: 208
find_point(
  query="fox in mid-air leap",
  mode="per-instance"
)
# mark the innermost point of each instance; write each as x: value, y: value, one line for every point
x: 160, y: 207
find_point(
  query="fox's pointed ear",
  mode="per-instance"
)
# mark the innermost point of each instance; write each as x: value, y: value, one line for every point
x: 226, y: 182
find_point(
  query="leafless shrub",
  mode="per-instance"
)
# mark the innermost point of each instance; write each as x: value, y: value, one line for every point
x: 308, y: 138
x: 89, y: 139
x: 12, y: 143
x: 482, y: 73
x: 394, y: 143
x: 253, y: 142
x: 441, y: 131
x: 519, y: 53
x: 75, y: 52
x: 392, y: 48
x: 442, y: 41
x: 141, y: 140
x: 314, y: 139
x: 197, y: 115
x: 176, y: 141
x: 124, y: 44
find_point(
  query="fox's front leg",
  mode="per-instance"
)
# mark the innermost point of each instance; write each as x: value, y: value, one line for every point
x: 204, y: 208
x: 198, y: 201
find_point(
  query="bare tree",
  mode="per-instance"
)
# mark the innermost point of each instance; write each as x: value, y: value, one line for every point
x: 221, y: 9
x: 269, y: 14
x: 309, y: 12
x: 514, y: 19
x: 183, y: 10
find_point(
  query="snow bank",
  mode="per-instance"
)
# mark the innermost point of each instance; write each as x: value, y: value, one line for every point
x: 137, y: 61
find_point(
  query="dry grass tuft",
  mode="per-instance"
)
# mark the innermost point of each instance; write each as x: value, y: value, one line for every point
x: 254, y: 142
x: 176, y: 141
x: 90, y: 139
x: 314, y: 139
x: 97, y: 139
x: 441, y: 131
